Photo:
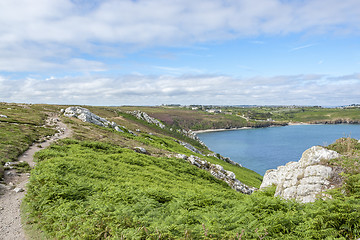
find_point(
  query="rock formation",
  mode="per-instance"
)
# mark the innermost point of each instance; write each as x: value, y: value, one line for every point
x: 190, y: 134
x: 144, y: 116
x: 303, y: 180
x: 85, y: 115
x: 189, y: 146
x: 218, y: 172
x: 225, y: 159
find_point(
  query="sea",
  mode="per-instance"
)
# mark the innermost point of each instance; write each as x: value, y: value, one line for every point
x: 260, y: 149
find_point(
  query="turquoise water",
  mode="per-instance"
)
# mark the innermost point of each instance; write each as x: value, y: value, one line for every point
x: 267, y: 148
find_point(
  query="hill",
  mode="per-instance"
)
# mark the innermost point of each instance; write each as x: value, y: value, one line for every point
x: 100, y: 184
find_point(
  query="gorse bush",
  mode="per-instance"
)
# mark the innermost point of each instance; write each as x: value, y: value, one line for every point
x: 96, y: 190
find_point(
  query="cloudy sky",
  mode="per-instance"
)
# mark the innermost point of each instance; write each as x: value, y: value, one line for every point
x: 151, y: 52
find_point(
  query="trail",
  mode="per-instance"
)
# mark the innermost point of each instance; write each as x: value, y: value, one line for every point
x: 14, y: 190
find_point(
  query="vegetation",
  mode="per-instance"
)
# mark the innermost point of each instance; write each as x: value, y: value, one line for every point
x: 237, y: 117
x: 19, y: 130
x: 94, y: 190
x: 95, y: 186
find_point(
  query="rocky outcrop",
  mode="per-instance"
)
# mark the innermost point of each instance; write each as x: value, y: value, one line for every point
x: 218, y: 172
x: 190, y: 147
x: 85, y: 115
x: 190, y: 134
x: 337, y: 121
x: 303, y: 180
x: 140, y: 150
x: 225, y: 159
x: 144, y: 116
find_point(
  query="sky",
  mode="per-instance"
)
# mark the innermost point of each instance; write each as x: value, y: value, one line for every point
x: 153, y: 52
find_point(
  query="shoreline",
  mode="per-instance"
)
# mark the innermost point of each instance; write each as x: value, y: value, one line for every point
x: 220, y: 130
x: 244, y: 128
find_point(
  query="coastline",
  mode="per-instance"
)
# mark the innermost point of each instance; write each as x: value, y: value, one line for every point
x: 220, y: 130
x: 299, y: 123
x: 244, y: 128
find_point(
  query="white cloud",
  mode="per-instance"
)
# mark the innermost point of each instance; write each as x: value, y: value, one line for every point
x: 302, y: 47
x: 48, y: 32
x: 197, y: 89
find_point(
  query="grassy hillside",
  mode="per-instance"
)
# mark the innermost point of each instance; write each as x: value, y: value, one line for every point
x: 95, y: 186
x: 236, y: 117
x: 198, y: 119
x: 95, y: 190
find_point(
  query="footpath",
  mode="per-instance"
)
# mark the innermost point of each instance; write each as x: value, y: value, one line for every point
x: 14, y: 189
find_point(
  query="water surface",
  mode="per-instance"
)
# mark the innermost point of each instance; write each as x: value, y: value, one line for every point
x: 266, y: 148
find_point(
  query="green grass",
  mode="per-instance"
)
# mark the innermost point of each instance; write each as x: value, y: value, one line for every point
x: 15, y: 139
x: 159, y: 144
x: 19, y: 130
x: 96, y: 190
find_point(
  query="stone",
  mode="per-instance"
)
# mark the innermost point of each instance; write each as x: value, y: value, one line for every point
x: 144, y: 116
x: 3, y: 116
x: 131, y: 132
x: 140, y: 150
x: 85, y: 115
x: 10, y: 164
x: 18, y: 189
x: 220, y: 173
x: 225, y: 159
x: 118, y: 129
x: 190, y: 147
x: 181, y: 156
x: 303, y: 180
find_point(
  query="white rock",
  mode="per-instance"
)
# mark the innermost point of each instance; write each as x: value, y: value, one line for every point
x: 181, y: 156
x: 140, y: 150
x: 118, y: 129
x: 305, y: 179
x: 18, y: 189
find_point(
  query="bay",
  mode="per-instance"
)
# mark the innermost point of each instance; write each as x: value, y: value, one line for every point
x: 261, y: 149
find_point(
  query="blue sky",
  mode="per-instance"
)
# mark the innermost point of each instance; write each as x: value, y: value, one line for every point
x: 151, y: 52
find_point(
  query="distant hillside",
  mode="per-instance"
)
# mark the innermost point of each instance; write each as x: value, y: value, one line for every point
x: 237, y: 117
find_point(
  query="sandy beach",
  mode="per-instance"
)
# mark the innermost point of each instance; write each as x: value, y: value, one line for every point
x: 220, y: 130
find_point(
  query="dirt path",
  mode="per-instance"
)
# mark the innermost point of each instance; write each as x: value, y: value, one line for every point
x: 14, y: 190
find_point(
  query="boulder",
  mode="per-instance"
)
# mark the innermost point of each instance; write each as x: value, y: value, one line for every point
x: 140, y: 150
x: 85, y: 115
x: 117, y: 128
x: 303, y: 180
x: 18, y: 189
